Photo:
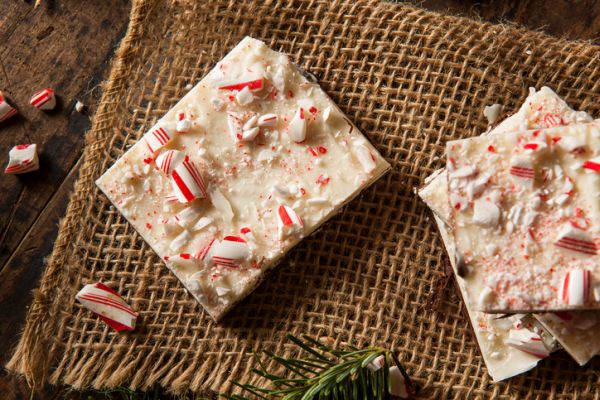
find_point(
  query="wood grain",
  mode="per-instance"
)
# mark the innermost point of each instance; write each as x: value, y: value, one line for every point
x: 67, y: 45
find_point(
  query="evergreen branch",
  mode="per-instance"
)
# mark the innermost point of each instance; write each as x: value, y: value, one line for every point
x: 325, y: 373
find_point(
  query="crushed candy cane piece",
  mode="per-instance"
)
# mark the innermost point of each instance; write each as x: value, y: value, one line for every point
x: 289, y: 222
x: 6, y: 110
x: 256, y: 84
x: 79, y: 106
x: 398, y: 384
x: 22, y: 158
x: 217, y: 104
x: 205, y: 252
x: 365, y: 157
x: 244, y: 96
x: 187, y: 182
x: 267, y: 120
x: 187, y: 217
x: 250, y: 134
x: 184, y: 260
x: 575, y: 242
x: 202, y: 223
x: 463, y: 172
x: 181, y: 240
x: 297, y: 126
x: 108, y: 305
x: 44, y: 99
x: 222, y: 204
x: 521, y: 171
x: 592, y: 165
x: 183, y: 123
x: 377, y: 363
x: 485, y: 213
x: 527, y: 341
x: 157, y: 138
x: 492, y: 112
x: 576, y: 287
x: 230, y: 252
x: 168, y: 160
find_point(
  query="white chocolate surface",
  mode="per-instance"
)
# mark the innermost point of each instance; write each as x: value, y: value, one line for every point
x: 502, y: 361
x: 251, y: 167
x: 539, y: 109
x: 508, y: 233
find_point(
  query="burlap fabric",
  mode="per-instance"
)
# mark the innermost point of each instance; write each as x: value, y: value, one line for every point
x: 411, y: 80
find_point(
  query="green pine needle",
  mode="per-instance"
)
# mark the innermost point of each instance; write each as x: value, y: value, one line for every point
x: 325, y: 374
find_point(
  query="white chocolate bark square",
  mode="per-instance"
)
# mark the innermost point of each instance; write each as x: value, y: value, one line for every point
x: 253, y: 159
x: 525, y: 216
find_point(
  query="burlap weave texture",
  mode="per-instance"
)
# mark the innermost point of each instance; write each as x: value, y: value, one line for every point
x: 410, y: 80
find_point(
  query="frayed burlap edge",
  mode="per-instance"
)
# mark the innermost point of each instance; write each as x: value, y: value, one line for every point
x: 34, y: 355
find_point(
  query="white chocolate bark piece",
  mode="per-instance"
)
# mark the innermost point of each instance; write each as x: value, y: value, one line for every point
x: 576, y: 331
x: 265, y: 159
x: 581, y: 345
x: 531, y: 231
x: 539, y: 110
x: 502, y: 360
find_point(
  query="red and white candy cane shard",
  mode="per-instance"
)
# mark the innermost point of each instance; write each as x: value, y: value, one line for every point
x: 535, y: 146
x: 521, y: 171
x: 267, y: 120
x: 183, y: 123
x: 6, y: 110
x: 205, y: 253
x: 377, y: 363
x: 398, y: 385
x: 289, y: 217
x: 157, y: 138
x: 297, y: 126
x: 254, y: 85
x: 576, y: 242
x: 552, y: 120
x: 168, y: 160
x: 187, y: 183
x: 108, y: 305
x: 230, y: 252
x: 527, y: 341
x: 44, y: 99
x: 183, y: 259
x: 576, y: 287
x: 592, y: 165
x: 365, y: 158
x: 22, y: 158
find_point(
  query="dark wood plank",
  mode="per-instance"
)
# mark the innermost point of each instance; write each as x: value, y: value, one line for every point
x: 562, y: 18
x: 67, y: 45
x: 64, y: 46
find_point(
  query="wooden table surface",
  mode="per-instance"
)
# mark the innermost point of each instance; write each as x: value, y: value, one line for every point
x: 67, y: 45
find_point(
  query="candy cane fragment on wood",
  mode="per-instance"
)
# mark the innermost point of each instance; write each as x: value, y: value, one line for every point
x: 108, y: 305
x: 6, y: 110
x: 44, y: 100
x: 222, y: 199
x: 23, y: 158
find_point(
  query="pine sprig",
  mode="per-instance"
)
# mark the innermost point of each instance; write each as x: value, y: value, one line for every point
x: 326, y: 373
